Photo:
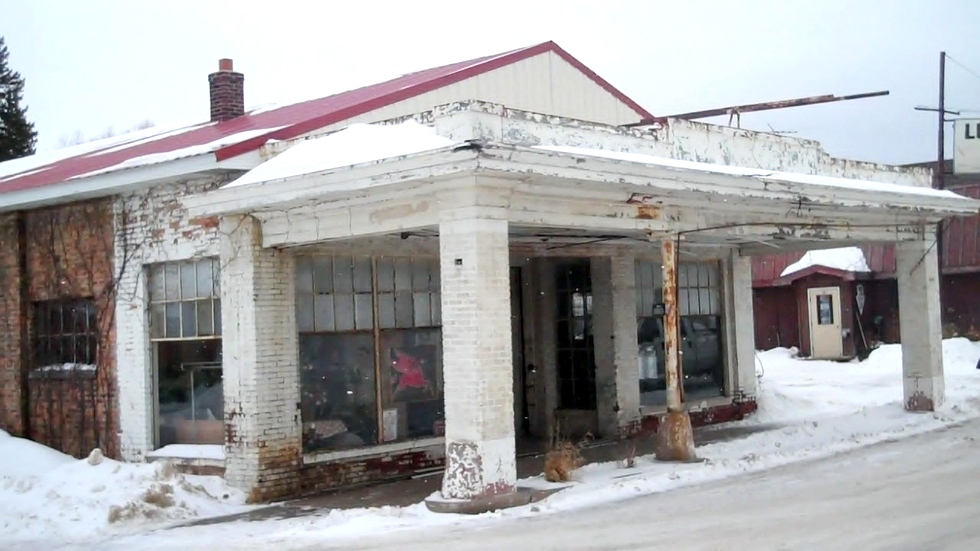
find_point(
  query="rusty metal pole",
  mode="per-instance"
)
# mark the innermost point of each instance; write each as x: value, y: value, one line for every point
x: 675, y: 437
x: 672, y: 337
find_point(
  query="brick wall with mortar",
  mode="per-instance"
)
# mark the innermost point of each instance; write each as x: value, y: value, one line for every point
x: 67, y: 253
x: 322, y: 477
x: 13, y: 368
x: 263, y: 446
x: 477, y: 358
x: 614, y: 328
x: 153, y: 227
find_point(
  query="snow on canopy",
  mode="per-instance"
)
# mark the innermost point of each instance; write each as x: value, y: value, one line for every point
x: 847, y: 259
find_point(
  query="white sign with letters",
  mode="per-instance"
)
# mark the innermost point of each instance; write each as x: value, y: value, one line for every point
x: 966, y: 146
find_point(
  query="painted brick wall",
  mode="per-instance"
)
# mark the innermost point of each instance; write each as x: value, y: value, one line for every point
x: 154, y: 227
x: 261, y: 355
x: 613, y: 323
x: 477, y: 358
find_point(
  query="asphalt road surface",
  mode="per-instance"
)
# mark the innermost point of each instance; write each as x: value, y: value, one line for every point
x: 921, y: 493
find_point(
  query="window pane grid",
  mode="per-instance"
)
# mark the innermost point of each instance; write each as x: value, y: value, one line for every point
x: 65, y: 332
x: 185, y: 300
x: 370, y: 339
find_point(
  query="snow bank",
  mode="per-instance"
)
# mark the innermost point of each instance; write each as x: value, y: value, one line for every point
x: 847, y: 259
x: 23, y: 458
x: 48, y: 496
x: 822, y: 408
x: 358, y: 143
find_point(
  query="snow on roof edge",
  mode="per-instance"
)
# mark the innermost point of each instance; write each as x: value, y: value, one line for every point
x: 356, y: 144
x: 758, y: 173
x: 846, y: 259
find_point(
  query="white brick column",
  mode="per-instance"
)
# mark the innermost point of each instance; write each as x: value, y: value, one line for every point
x: 260, y: 357
x: 742, y: 325
x: 616, y: 351
x: 919, y: 313
x: 477, y: 359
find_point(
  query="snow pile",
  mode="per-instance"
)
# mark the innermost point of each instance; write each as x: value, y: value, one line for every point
x: 358, y: 143
x: 47, y: 494
x: 847, y: 259
x: 820, y: 409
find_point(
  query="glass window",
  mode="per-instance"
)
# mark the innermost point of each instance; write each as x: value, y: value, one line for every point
x: 65, y: 332
x: 575, y: 360
x: 825, y: 310
x: 699, y: 304
x: 342, y: 303
x: 338, y: 396
x: 185, y: 327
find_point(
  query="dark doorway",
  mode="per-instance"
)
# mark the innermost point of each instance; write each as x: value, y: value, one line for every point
x: 522, y: 417
x: 576, y: 356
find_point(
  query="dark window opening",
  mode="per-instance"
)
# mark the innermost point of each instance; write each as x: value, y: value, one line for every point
x: 699, y: 304
x: 370, y: 334
x: 576, y: 355
x: 65, y: 333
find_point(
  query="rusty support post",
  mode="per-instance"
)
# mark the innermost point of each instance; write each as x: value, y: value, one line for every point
x: 675, y: 437
x: 672, y: 337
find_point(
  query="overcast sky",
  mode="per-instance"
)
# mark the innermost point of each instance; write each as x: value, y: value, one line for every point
x: 90, y: 64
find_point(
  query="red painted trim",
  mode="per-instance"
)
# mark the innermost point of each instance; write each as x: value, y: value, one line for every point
x: 735, y: 411
x: 424, y: 87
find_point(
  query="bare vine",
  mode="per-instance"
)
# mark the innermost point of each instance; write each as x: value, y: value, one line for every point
x: 86, y: 250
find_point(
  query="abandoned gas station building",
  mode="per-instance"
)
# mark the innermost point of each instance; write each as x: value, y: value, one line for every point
x: 357, y: 300
x: 532, y: 244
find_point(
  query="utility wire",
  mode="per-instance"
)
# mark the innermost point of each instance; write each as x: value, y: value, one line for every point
x: 975, y: 74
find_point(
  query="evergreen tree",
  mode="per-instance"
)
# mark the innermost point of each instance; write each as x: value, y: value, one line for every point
x: 17, y: 134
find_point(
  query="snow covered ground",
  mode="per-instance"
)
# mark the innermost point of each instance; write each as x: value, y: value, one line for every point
x: 48, y: 498
x: 820, y: 409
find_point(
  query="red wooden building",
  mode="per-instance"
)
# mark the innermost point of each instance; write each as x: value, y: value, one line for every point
x: 786, y: 308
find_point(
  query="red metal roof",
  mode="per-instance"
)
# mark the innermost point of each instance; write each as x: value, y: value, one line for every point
x: 291, y: 120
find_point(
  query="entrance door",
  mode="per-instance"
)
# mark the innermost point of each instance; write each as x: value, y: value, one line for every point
x: 576, y: 358
x: 826, y: 340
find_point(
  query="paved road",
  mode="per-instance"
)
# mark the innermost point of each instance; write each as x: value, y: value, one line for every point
x: 920, y: 494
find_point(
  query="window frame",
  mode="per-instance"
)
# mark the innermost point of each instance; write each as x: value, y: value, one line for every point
x: 702, y: 284
x: 41, y: 331
x: 381, y: 282
x: 212, y: 302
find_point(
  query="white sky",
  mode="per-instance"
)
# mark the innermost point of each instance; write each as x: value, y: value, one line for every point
x: 90, y: 64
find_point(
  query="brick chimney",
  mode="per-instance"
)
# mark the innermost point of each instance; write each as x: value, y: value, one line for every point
x: 227, y: 92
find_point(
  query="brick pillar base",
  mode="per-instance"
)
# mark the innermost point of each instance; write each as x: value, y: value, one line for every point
x: 261, y: 381
x: 920, y: 323
x: 477, y: 361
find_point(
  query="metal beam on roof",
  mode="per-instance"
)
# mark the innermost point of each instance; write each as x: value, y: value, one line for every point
x: 737, y: 110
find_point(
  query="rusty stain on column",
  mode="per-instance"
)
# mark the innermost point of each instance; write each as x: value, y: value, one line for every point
x: 675, y: 437
x: 668, y: 253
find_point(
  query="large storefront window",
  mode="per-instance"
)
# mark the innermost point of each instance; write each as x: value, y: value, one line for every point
x: 185, y: 327
x: 699, y: 300
x: 370, y: 350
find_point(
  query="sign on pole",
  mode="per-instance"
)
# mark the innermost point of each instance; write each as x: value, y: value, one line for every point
x: 966, y: 146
